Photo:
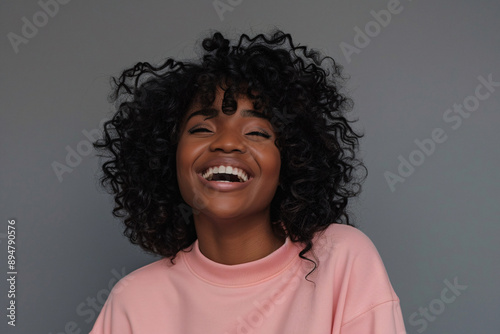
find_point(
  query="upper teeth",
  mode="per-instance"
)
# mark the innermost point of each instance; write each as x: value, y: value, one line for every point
x: 225, y: 170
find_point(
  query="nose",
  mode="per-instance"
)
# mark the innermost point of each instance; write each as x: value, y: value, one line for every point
x: 227, y: 140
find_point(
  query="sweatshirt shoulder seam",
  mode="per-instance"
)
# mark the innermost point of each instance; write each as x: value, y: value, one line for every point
x: 368, y: 310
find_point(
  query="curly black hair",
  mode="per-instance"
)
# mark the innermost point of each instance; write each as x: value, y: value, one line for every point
x: 299, y: 92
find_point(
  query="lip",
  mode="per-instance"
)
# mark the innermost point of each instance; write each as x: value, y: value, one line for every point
x: 223, y: 186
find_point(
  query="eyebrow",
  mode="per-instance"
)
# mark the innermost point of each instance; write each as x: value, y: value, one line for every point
x: 211, y: 113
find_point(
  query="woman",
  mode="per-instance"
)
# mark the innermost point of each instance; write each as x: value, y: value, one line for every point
x: 237, y: 169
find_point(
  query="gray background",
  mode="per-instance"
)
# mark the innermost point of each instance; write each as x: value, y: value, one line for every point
x: 441, y: 223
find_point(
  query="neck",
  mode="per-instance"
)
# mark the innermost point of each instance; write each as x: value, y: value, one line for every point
x: 236, y: 241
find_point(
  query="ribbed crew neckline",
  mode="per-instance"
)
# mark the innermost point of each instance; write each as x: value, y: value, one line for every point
x: 238, y: 275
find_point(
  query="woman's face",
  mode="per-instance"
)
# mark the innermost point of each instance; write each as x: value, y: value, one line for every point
x: 228, y: 166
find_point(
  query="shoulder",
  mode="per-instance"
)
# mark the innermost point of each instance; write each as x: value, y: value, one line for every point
x: 342, y: 231
x: 365, y: 292
x: 351, y: 252
x: 352, y: 255
x: 344, y: 239
x: 143, y: 279
x: 134, y: 297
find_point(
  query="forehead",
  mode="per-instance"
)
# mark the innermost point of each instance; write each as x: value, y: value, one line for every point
x: 212, y: 112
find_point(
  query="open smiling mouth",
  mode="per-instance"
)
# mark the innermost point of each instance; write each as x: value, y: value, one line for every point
x: 225, y: 174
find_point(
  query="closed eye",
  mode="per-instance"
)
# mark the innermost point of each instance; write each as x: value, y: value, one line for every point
x: 199, y: 130
x: 258, y: 133
x: 253, y: 133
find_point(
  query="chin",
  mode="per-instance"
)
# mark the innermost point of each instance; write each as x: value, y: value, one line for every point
x: 225, y: 211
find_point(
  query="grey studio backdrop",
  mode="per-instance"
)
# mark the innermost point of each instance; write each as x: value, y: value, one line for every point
x: 425, y: 78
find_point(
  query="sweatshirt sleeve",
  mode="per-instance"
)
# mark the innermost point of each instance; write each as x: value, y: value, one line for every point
x: 385, y: 318
x: 367, y: 299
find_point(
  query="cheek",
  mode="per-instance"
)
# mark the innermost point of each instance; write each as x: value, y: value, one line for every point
x: 184, y: 165
x: 271, y: 164
x: 276, y: 159
x: 186, y: 155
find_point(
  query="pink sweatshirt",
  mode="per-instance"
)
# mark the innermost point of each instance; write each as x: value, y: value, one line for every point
x: 352, y: 293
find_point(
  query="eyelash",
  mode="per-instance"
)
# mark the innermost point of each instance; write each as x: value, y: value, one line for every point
x: 258, y: 133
